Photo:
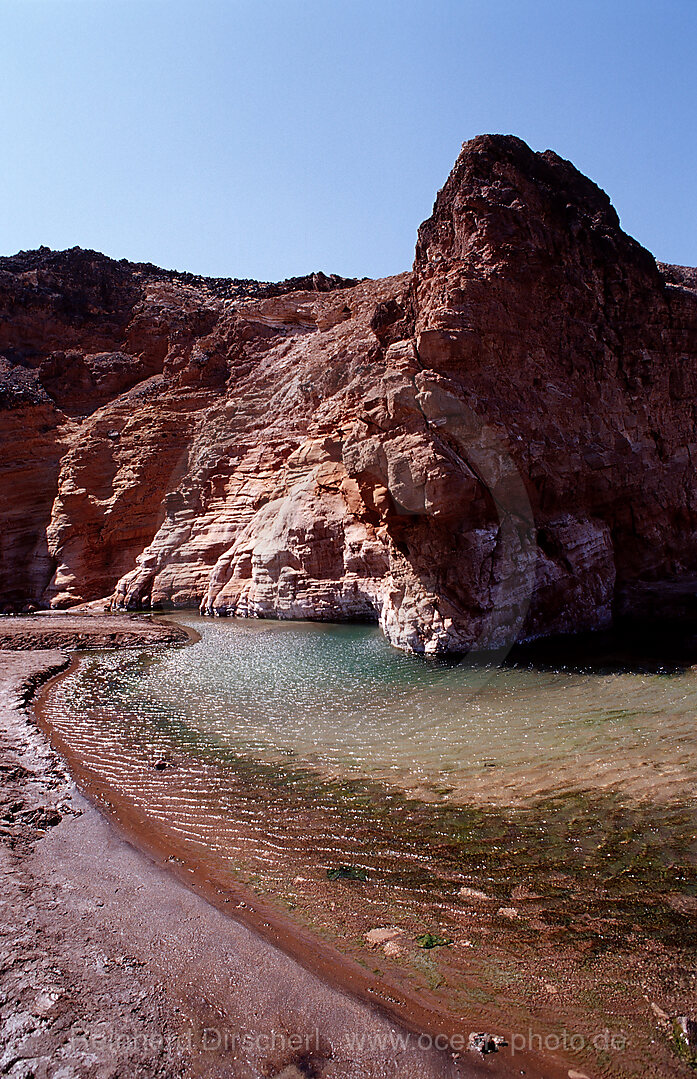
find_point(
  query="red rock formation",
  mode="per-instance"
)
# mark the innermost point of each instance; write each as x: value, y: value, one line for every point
x: 499, y: 443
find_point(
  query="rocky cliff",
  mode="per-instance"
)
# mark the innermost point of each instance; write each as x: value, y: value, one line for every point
x: 500, y: 443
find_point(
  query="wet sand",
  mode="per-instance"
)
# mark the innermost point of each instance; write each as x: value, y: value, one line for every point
x: 54, y: 630
x: 111, y: 966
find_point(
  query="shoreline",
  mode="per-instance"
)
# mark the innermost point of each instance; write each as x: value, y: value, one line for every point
x: 343, y: 981
x: 148, y: 1009
x: 336, y: 970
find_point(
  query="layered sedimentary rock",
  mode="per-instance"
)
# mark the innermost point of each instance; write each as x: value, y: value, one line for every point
x: 498, y: 444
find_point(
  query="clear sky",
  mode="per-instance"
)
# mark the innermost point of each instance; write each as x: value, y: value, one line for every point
x: 267, y: 138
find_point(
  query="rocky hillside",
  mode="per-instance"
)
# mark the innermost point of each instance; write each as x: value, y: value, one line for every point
x: 500, y: 443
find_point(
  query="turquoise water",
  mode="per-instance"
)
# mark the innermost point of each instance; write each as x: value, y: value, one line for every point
x: 279, y: 750
x: 338, y: 700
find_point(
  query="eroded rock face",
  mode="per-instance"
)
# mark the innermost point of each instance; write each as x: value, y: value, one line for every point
x: 497, y: 444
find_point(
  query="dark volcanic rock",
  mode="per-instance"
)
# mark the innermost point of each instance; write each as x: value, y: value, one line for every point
x: 500, y: 443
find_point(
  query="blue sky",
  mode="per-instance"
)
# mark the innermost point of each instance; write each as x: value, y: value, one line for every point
x: 268, y: 138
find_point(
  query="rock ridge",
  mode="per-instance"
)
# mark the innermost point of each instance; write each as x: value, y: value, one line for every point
x: 497, y: 444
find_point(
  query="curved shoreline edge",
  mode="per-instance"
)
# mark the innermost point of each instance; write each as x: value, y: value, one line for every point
x: 182, y: 943
x: 135, y: 968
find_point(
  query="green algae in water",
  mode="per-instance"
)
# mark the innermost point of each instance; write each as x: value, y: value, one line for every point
x: 347, y: 872
x: 432, y: 940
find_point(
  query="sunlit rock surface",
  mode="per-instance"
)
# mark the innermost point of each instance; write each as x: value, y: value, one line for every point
x: 500, y: 443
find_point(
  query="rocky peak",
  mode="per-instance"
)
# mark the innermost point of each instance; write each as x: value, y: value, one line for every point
x: 503, y: 200
x: 500, y: 442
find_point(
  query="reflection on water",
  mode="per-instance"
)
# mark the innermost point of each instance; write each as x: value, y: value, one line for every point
x: 338, y: 700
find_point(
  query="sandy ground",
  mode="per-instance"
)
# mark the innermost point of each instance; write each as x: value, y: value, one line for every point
x: 74, y: 631
x: 110, y: 966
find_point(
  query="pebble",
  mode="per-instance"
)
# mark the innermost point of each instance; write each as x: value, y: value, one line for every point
x: 392, y: 949
x: 472, y: 893
x: 481, y: 1042
x: 379, y: 936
